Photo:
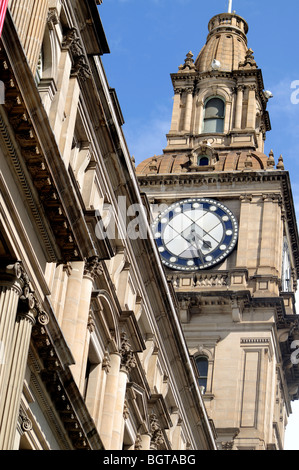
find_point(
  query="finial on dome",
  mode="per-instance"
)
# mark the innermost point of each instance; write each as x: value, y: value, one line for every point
x: 271, y: 161
x: 280, y: 165
x: 249, y: 61
x: 230, y: 6
x: 189, y: 63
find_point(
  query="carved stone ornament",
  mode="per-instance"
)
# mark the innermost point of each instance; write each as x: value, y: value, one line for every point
x: 106, y: 363
x: 226, y: 445
x: 128, y: 360
x: 157, y: 435
x: 91, y: 323
x: 93, y: 267
x: 189, y: 63
x: 26, y: 423
x: 249, y: 61
x: 126, y: 412
x: 138, y: 443
x: 53, y: 18
x: 73, y: 43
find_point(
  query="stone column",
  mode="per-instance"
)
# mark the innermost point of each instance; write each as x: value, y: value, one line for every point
x: 188, y: 110
x: 128, y: 361
x: 92, y: 269
x: 110, y: 400
x: 239, y: 107
x: 145, y: 441
x: 96, y: 390
x: 251, y: 110
x: 176, y: 114
x: 21, y: 14
x: 72, y: 300
x: 28, y: 309
x: 11, y: 286
x: 30, y: 20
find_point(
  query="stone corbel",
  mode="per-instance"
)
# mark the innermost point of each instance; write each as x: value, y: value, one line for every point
x: 53, y: 18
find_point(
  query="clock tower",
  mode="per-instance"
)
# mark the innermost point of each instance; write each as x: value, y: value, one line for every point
x: 224, y: 222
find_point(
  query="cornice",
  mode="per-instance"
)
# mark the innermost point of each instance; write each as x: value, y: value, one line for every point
x: 40, y: 152
x: 206, y: 178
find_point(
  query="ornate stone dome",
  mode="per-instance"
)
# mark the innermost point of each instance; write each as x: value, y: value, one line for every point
x: 226, y: 161
x: 226, y: 45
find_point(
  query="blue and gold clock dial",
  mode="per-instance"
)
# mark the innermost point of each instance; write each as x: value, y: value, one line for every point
x: 195, y: 233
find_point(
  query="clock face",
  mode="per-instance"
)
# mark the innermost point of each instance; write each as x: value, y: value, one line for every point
x: 195, y: 234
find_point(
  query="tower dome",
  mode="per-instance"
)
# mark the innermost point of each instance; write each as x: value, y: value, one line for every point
x: 219, y: 106
x: 226, y: 44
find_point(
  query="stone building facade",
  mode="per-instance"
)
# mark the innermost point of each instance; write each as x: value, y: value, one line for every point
x: 224, y: 222
x: 92, y: 351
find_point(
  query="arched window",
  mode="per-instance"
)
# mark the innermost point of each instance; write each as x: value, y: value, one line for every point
x: 214, y: 115
x: 203, y: 160
x: 202, y: 365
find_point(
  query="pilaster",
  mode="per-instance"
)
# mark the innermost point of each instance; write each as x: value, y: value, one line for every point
x: 128, y: 362
x: 176, y: 114
x: 92, y: 269
x: 188, y: 109
x: 13, y: 283
x: 239, y: 106
x: 251, y: 110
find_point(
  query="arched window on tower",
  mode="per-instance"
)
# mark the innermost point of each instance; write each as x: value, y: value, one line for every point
x: 202, y: 365
x: 203, y: 160
x: 214, y: 112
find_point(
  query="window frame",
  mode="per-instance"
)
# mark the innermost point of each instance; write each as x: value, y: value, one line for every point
x: 215, y: 118
x: 203, y: 378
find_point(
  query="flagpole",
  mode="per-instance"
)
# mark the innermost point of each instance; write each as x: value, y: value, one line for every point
x: 3, y: 9
x: 230, y: 6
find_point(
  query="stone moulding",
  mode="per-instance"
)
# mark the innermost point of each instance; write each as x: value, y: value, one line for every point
x: 42, y: 159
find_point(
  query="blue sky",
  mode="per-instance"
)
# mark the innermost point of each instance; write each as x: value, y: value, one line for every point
x: 149, y: 39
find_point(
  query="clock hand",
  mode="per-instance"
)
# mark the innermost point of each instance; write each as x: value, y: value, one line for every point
x: 207, y: 243
x: 193, y: 238
x: 196, y: 236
